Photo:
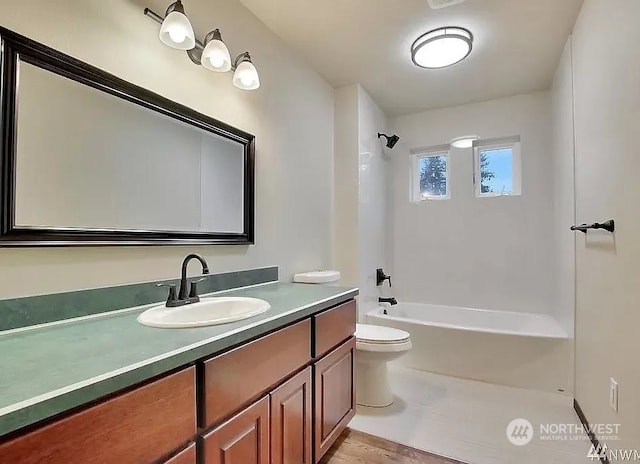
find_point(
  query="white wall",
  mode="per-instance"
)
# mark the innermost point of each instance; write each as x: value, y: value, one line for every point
x: 374, y: 201
x: 606, y: 63
x: 564, y: 190
x: 291, y: 116
x: 494, y: 253
x: 361, y: 193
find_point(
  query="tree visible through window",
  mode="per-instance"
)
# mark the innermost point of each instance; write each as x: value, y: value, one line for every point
x: 486, y: 174
x: 433, y: 176
x: 496, y: 171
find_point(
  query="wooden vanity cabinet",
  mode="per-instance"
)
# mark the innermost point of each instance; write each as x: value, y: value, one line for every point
x: 234, y: 378
x: 243, y: 439
x: 291, y: 420
x: 140, y: 426
x: 283, y: 398
x: 306, y: 413
x: 332, y: 327
x: 335, y: 395
x: 186, y: 456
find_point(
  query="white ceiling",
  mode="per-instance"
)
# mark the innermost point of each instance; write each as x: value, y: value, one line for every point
x: 516, y: 49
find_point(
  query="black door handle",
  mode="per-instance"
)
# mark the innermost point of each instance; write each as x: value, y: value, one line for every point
x: 609, y: 226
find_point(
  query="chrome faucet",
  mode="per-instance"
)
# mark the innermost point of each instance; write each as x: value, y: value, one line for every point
x: 184, y: 297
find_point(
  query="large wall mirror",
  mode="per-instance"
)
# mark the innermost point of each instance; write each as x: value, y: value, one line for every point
x: 90, y: 159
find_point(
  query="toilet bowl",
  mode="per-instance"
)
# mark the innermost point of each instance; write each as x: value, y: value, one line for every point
x: 375, y: 347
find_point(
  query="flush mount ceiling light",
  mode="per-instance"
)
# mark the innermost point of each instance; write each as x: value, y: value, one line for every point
x: 176, y: 32
x: 441, y: 47
x: 464, y: 142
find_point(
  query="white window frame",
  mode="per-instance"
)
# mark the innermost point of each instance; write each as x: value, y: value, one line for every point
x: 512, y: 143
x: 419, y: 154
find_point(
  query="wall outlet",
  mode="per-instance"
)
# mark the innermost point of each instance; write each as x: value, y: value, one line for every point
x: 613, y: 394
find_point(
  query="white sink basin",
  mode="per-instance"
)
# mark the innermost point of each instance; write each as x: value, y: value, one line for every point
x: 209, y: 311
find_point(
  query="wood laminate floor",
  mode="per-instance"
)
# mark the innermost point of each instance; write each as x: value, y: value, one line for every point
x: 355, y: 447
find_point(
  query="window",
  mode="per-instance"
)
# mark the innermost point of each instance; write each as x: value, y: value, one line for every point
x: 430, y: 175
x: 497, y: 167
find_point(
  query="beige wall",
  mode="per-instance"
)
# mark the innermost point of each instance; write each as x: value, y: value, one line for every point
x: 606, y: 64
x: 291, y: 116
x: 346, y: 184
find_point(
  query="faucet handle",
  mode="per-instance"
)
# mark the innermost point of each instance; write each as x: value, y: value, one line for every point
x: 172, y: 297
x: 381, y: 277
x: 193, y: 288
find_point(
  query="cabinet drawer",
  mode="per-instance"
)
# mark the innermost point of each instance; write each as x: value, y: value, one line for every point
x: 234, y: 378
x: 334, y: 326
x: 187, y: 456
x: 138, y: 427
x: 243, y: 439
x: 335, y: 395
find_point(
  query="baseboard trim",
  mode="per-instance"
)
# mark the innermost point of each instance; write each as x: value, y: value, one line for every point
x: 590, y: 434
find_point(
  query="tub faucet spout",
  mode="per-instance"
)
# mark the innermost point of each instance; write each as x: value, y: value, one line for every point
x: 392, y: 301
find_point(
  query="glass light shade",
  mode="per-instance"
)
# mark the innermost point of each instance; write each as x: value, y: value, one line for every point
x: 215, y: 56
x: 464, y: 142
x: 246, y: 76
x: 442, y: 47
x: 176, y: 31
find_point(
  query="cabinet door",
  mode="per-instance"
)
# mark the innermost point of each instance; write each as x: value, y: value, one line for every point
x: 243, y: 439
x: 291, y: 421
x: 186, y: 456
x: 334, y: 395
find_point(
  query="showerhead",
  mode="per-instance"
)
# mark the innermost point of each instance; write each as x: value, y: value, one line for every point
x: 391, y: 140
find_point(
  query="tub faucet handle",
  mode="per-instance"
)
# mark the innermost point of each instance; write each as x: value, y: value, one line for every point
x: 381, y: 277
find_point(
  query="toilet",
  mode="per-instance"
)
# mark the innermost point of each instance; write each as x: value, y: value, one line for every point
x: 375, y: 347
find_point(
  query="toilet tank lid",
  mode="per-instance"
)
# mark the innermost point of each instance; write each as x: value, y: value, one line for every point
x: 317, y: 277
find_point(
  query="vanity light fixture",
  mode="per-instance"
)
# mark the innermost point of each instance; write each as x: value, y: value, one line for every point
x: 464, y: 142
x: 245, y: 76
x: 441, y: 47
x: 215, y: 55
x: 176, y: 32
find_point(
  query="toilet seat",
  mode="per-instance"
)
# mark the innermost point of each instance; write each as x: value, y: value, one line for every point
x: 380, y: 339
x: 380, y: 335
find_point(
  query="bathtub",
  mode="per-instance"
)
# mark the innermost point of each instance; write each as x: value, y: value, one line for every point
x: 507, y: 348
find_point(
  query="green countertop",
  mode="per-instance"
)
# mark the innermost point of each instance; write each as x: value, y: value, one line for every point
x: 52, y: 369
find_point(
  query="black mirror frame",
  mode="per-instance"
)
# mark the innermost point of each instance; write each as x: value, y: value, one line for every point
x: 16, y: 47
